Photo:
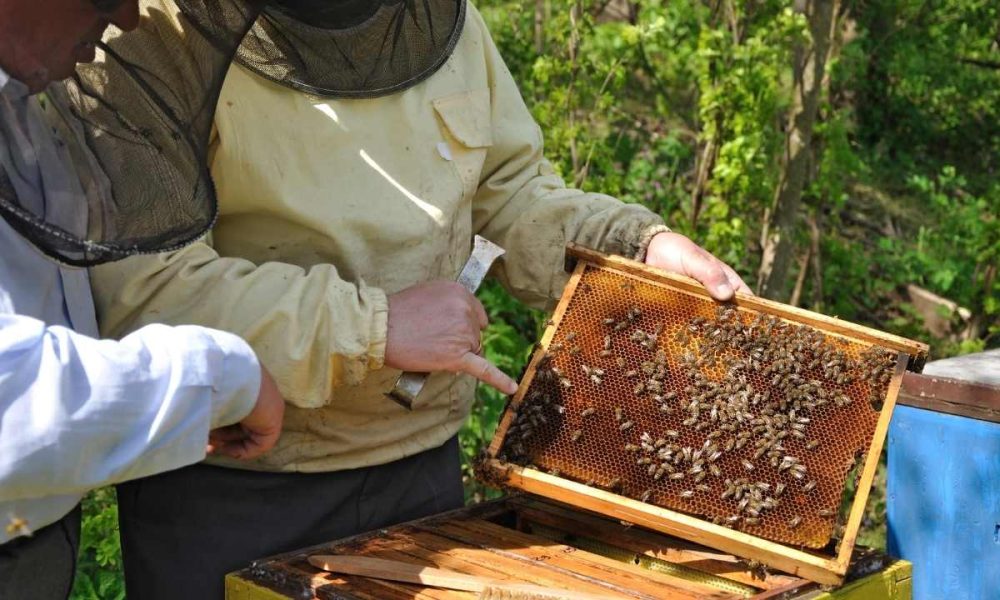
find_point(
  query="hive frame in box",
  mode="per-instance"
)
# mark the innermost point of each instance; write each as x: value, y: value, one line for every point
x: 825, y: 569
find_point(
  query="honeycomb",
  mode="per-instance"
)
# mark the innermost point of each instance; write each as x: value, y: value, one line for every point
x: 744, y: 419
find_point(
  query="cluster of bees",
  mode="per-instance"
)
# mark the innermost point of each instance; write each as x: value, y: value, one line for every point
x: 736, y: 409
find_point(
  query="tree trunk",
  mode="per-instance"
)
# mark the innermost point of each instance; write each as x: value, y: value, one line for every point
x: 777, y: 239
x: 539, y: 27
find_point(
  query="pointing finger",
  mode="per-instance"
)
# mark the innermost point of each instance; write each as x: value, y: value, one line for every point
x: 483, y: 370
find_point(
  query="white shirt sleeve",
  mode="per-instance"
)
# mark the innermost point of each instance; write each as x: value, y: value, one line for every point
x: 77, y: 413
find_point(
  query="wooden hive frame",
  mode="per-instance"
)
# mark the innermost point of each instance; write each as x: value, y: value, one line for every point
x: 812, y: 565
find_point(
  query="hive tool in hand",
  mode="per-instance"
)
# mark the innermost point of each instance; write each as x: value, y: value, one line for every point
x: 484, y: 252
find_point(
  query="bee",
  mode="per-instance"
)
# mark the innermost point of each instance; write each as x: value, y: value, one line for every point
x: 812, y: 444
x: 677, y: 475
x: 627, y: 286
x: 700, y: 477
x: 618, y: 413
x: 574, y: 350
x: 556, y: 346
x: 607, y: 342
x: 577, y: 434
x: 571, y: 336
x: 550, y: 323
x: 809, y: 486
x: 566, y: 383
x: 620, y: 325
x: 749, y: 466
x: 701, y: 487
x: 751, y: 521
x: 733, y: 519
x: 620, y: 362
x: 645, y: 496
x: 17, y: 526
x: 631, y: 448
x: 609, y: 321
x: 666, y: 409
x: 604, y: 353
x: 701, y: 426
x: 689, y: 421
x: 625, y: 426
x: 779, y: 489
x: 794, y: 522
x: 651, y: 471
x: 826, y: 513
x: 631, y: 373
x: 643, y: 461
x: 639, y: 388
x: 687, y: 494
x: 588, y: 411
x: 715, y: 470
x: 596, y: 380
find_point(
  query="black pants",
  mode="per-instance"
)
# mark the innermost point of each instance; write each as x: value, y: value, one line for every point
x: 40, y: 567
x: 183, y: 531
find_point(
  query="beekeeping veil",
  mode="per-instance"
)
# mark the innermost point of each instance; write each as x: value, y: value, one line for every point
x: 346, y: 48
x: 137, y: 121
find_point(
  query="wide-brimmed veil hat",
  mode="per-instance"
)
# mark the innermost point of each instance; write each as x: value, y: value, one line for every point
x: 137, y: 121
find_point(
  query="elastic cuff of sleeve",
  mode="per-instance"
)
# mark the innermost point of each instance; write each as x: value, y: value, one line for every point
x: 646, y: 238
x: 379, y: 331
x: 236, y: 380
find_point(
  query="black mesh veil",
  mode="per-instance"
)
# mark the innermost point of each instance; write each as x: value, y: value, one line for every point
x: 352, y: 48
x: 131, y: 144
x: 134, y: 125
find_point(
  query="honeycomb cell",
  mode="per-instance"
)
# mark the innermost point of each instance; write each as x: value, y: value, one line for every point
x: 732, y: 415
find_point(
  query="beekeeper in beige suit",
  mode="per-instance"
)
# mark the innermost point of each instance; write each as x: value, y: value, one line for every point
x: 358, y: 148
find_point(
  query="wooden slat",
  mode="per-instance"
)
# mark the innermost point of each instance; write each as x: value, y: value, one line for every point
x: 647, y: 543
x: 796, y: 562
x: 951, y: 396
x: 868, y: 470
x: 609, y: 571
x: 489, y: 556
x: 330, y: 584
x: 917, y: 350
x: 529, y: 374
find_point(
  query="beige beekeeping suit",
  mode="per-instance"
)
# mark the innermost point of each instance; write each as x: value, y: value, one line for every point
x: 327, y: 206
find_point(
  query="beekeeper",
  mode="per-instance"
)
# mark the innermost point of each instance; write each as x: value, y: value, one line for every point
x: 358, y: 146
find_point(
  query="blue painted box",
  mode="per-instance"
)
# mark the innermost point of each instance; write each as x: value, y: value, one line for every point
x: 943, y: 502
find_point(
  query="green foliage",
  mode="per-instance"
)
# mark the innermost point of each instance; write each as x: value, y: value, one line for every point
x: 99, y: 567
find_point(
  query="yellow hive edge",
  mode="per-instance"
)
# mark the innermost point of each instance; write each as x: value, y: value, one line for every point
x: 895, y: 582
x: 238, y: 588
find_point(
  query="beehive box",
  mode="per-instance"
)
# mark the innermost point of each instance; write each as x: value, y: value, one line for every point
x: 735, y: 425
x: 521, y: 539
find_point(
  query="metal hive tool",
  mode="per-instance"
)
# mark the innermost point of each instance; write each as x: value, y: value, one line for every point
x: 725, y: 412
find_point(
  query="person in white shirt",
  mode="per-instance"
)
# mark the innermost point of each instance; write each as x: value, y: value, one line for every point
x: 77, y: 412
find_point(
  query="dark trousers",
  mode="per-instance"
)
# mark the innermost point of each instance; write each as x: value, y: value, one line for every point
x: 182, y: 531
x: 40, y: 567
